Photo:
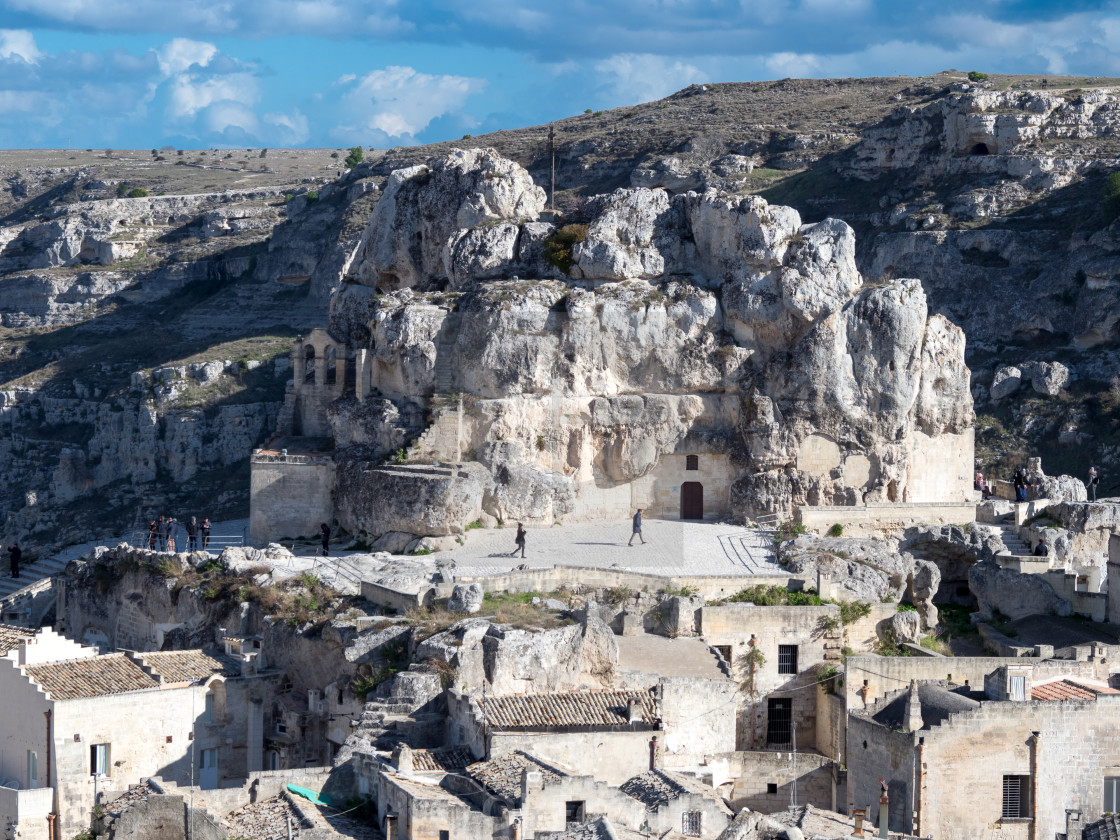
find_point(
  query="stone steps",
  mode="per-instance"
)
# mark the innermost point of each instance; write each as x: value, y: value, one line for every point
x: 1014, y: 543
x: 444, y: 378
x: 43, y: 567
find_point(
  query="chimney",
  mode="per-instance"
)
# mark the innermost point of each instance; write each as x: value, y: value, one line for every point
x: 633, y: 711
x: 248, y: 664
x: 1075, y: 824
x: 653, y: 753
x: 402, y: 758
x: 530, y: 780
x: 913, y: 720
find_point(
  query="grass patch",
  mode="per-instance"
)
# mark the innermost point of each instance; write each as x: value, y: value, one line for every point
x: 558, y: 247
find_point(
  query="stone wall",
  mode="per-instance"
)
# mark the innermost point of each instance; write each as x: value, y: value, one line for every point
x: 660, y: 492
x: 872, y: 518
x: 544, y: 808
x: 1113, y: 575
x: 765, y: 781
x: 611, y: 757
x: 698, y: 715
x: 734, y: 626
x: 869, y: 678
x: 941, y: 468
x: 289, y: 497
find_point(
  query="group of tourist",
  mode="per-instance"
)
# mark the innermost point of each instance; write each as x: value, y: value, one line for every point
x: 1021, y: 483
x: 163, y: 534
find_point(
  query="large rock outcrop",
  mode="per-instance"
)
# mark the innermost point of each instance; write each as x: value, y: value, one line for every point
x: 705, y: 323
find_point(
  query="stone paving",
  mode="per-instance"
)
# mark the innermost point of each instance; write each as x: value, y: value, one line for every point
x: 671, y: 548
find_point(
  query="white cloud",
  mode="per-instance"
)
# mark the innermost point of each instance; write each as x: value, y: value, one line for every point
x: 788, y: 65
x: 630, y: 78
x: 18, y: 43
x: 189, y: 94
x: 290, y: 129
x: 179, y: 54
x: 399, y: 102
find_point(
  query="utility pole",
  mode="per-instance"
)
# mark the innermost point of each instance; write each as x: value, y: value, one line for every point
x: 793, y: 789
x: 552, y: 156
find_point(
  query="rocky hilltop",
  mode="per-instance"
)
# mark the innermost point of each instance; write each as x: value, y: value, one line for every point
x: 586, y: 359
x: 988, y: 193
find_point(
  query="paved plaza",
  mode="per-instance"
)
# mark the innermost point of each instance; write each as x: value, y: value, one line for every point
x: 671, y: 548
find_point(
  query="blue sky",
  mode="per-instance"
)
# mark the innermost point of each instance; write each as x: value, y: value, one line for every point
x: 204, y: 73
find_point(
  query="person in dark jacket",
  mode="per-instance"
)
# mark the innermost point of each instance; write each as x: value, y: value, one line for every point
x: 172, y: 533
x: 153, y: 537
x: 161, y: 532
x: 519, y: 541
x: 204, y: 529
x: 637, y: 528
x: 325, y: 534
x: 192, y: 534
x: 14, y: 556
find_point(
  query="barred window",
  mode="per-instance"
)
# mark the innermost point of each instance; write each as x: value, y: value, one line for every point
x: 691, y: 462
x: 691, y: 823
x: 787, y: 659
x: 1111, y: 794
x: 1016, y: 790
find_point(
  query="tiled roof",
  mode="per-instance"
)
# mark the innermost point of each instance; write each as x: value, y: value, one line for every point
x: 502, y: 775
x: 577, y: 709
x: 1106, y: 828
x: 1068, y: 690
x: 447, y: 759
x: 422, y: 790
x: 10, y: 636
x: 178, y: 666
x: 95, y: 676
x: 656, y: 788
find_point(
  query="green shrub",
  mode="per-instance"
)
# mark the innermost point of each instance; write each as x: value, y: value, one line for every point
x: 906, y: 606
x: 1110, y: 196
x: 853, y: 611
x: 836, y: 530
x: 138, y: 192
x: 558, y: 247
x: 472, y: 526
x: 830, y: 678
x: 354, y: 158
x: 122, y: 189
x: 977, y: 76
x: 313, y: 196
x: 467, y: 136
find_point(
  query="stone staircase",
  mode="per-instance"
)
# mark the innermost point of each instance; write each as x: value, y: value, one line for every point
x: 440, y: 441
x: 1015, y: 545
x: 444, y: 379
x: 30, y: 574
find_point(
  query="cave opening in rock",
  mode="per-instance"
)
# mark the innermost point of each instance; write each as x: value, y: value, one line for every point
x: 980, y: 149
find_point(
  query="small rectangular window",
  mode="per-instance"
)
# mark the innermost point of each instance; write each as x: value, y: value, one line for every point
x: 32, y: 769
x: 771, y: 787
x: 99, y: 760
x: 208, y: 759
x: 1016, y: 790
x: 724, y: 651
x: 444, y: 834
x: 691, y: 823
x: 209, y: 711
x: 692, y: 462
x: 573, y: 812
x: 1018, y: 688
x: 787, y: 659
x: 779, y: 717
x: 1111, y: 795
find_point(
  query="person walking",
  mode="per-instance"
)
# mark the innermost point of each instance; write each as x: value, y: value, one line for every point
x: 1020, y: 482
x: 153, y: 537
x: 161, y: 532
x: 204, y: 529
x: 519, y: 541
x: 192, y: 534
x: 172, y: 533
x: 637, y: 529
x: 325, y: 534
x: 1094, y: 480
x: 14, y: 556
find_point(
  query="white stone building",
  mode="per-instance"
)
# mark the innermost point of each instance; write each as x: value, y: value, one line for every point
x: 77, y: 724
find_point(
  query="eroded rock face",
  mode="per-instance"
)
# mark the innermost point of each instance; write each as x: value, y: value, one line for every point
x: 425, y: 211
x: 1013, y: 594
x: 706, y: 323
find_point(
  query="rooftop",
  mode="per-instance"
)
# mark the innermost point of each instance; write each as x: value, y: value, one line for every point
x: 10, y: 636
x: 181, y: 666
x: 1069, y: 690
x: 576, y: 709
x: 657, y: 788
x: 446, y: 759
x: 501, y: 776
x: 1106, y: 828
x: 96, y: 676
x: 937, y: 701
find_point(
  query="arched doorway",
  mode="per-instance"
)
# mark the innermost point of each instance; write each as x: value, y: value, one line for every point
x: 692, y: 500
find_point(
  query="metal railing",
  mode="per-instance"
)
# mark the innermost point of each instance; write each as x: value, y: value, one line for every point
x: 215, y: 545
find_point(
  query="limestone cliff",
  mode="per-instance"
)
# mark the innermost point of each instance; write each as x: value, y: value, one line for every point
x: 709, y: 325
